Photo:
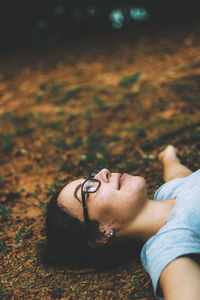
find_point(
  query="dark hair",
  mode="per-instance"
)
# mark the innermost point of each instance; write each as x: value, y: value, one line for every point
x: 67, y: 242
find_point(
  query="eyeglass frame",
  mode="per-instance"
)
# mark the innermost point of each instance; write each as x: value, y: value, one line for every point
x: 85, y: 211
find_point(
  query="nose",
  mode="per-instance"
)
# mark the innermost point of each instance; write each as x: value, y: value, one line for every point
x: 103, y: 175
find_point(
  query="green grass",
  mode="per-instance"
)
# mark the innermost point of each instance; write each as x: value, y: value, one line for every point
x: 55, y: 87
x: 77, y: 142
x: 6, y: 115
x: 4, y: 213
x: 161, y: 104
x: 131, y: 166
x: 6, y: 142
x: 99, y: 102
x: 21, y: 124
x: 63, y: 166
x: 19, y: 234
x: 88, y: 112
x: 38, y: 97
x: 42, y: 205
x: 126, y: 80
x: 69, y: 94
x: 23, y: 234
x: 193, y: 137
x: 54, y: 125
x: 141, y: 132
x: 72, y: 93
x: 184, y: 89
x: 2, y: 291
x: 2, y: 178
x: 57, y: 292
x: 3, y: 247
x: 21, y: 191
x: 61, y: 144
x: 159, y: 141
x: 181, y: 87
x: 95, y: 145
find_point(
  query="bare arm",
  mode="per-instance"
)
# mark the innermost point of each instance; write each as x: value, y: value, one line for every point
x: 180, y: 280
x: 172, y: 165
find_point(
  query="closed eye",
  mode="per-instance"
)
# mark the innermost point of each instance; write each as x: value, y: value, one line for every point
x: 76, y: 192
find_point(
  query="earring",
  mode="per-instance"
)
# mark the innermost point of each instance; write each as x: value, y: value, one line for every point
x: 111, y: 233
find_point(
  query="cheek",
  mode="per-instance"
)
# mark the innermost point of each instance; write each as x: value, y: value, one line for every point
x: 105, y: 203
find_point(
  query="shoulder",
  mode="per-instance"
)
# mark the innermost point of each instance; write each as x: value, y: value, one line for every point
x: 171, y: 188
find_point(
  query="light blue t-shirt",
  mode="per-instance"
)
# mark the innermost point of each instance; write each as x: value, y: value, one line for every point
x: 181, y: 234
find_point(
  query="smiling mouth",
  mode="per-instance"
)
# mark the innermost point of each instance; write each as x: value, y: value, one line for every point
x: 120, y: 180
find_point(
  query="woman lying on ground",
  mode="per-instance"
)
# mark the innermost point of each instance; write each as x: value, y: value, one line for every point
x: 108, y: 208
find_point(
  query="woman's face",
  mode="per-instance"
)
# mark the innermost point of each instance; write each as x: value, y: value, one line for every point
x: 116, y: 202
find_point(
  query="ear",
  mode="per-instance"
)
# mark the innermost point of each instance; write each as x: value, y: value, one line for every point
x: 103, y: 237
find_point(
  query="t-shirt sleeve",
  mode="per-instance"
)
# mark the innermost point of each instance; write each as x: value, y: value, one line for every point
x: 169, y: 189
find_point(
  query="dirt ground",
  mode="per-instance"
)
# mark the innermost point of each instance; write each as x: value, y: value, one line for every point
x: 114, y: 102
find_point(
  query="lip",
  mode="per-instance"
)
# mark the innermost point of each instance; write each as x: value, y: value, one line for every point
x: 121, y: 180
x: 118, y: 181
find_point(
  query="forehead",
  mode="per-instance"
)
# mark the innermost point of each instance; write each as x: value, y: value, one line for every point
x: 67, y: 200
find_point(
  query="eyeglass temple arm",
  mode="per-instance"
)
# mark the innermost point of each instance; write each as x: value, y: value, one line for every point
x: 86, y: 218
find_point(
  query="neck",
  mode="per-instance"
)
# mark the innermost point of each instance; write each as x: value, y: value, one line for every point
x: 150, y: 219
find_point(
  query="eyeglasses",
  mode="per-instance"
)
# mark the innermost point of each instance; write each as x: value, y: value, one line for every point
x: 90, y: 185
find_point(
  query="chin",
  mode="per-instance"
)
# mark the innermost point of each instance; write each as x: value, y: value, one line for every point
x: 139, y: 179
x: 139, y: 183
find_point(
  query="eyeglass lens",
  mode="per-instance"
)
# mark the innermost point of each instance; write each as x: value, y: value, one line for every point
x: 90, y: 186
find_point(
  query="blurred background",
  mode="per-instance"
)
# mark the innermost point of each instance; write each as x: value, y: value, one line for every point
x: 32, y: 23
x: 87, y: 84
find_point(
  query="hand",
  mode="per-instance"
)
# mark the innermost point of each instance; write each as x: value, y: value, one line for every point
x: 169, y: 153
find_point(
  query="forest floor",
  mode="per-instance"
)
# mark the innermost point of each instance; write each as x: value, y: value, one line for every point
x: 115, y: 102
